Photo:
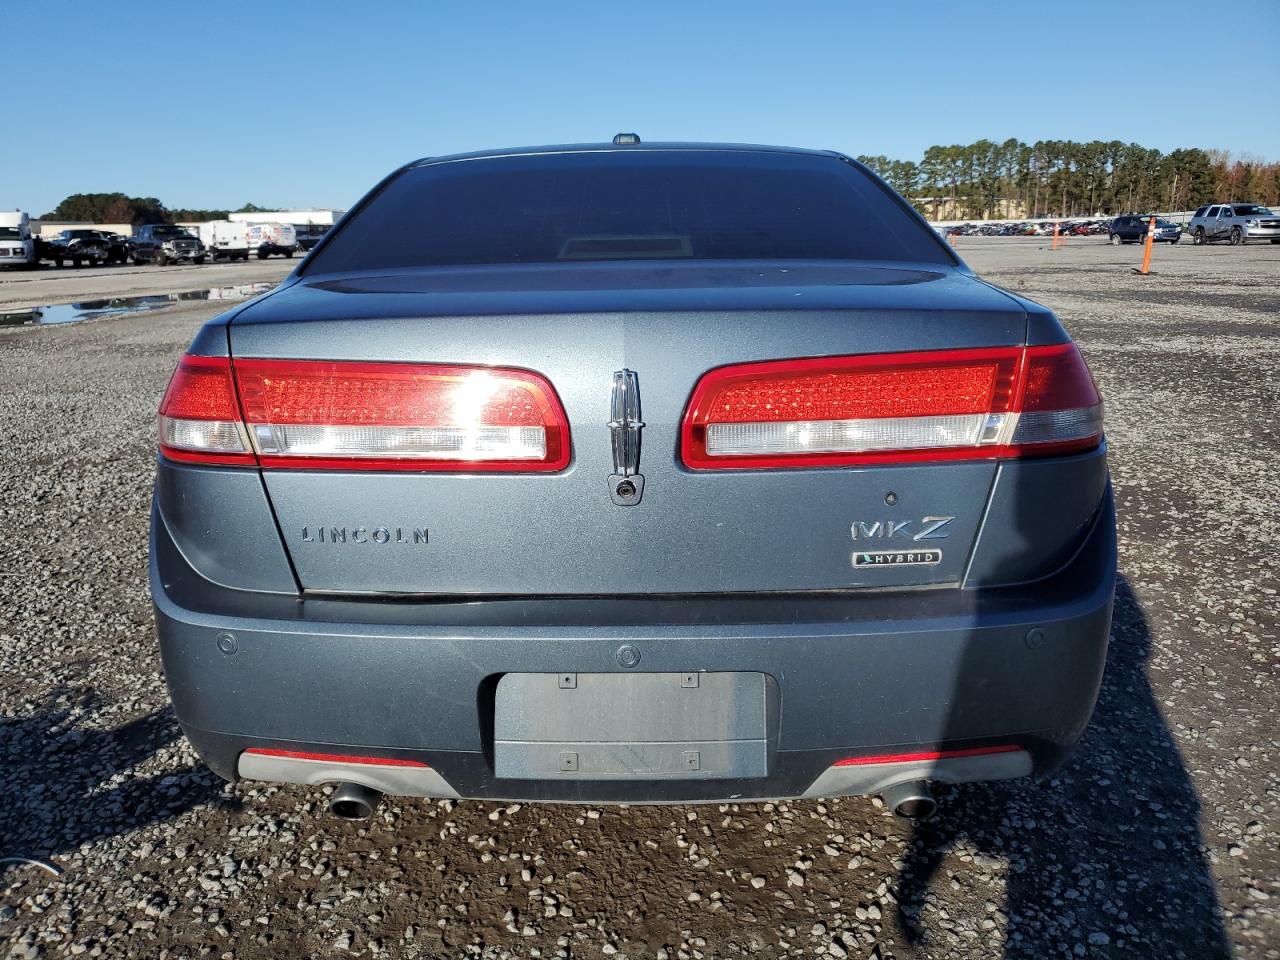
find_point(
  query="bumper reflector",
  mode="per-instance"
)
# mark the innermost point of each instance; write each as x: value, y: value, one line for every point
x: 927, y: 755
x: 335, y: 758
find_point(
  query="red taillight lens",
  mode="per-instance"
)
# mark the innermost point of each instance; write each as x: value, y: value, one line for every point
x: 199, y: 417
x: 401, y: 416
x: 937, y: 405
x: 335, y: 415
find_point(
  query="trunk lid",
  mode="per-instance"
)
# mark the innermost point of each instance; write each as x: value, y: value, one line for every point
x: 562, y: 534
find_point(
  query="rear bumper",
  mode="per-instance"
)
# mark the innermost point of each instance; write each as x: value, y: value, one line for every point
x: 914, y: 672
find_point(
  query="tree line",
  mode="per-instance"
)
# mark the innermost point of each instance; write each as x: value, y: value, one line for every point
x: 1067, y: 178
x: 119, y: 208
x: 982, y: 180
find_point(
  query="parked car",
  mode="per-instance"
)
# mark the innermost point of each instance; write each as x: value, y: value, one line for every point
x: 1133, y: 229
x: 79, y: 247
x: 163, y: 243
x: 1236, y: 223
x: 633, y: 473
x: 117, y: 246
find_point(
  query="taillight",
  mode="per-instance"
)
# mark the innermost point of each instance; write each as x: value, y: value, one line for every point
x: 337, y: 415
x: 899, y: 407
x: 199, y: 417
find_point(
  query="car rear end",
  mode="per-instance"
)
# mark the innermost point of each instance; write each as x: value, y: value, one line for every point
x: 663, y: 474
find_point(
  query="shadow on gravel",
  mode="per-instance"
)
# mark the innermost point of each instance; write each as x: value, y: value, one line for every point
x: 68, y: 785
x: 1107, y: 854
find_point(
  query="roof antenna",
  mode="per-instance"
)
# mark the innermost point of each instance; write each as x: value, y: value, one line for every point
x: 626, y: 139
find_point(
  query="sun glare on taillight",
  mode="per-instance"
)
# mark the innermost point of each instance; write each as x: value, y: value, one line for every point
x: 401, y: 416
x: 877, y: 408
x: 199, y: 417
x: 314, y: 414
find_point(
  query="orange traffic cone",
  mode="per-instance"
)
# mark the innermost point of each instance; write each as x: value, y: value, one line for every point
x: 1151, y: 239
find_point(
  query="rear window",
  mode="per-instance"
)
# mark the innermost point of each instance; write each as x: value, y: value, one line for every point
x: 617, y: 205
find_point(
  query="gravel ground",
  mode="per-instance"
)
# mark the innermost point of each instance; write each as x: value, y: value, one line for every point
x: 1160, y: 839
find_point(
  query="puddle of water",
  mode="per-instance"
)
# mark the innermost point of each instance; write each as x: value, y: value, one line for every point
x: 123, y: 306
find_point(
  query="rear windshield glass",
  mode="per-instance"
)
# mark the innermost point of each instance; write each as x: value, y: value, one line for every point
x: 616, y: 205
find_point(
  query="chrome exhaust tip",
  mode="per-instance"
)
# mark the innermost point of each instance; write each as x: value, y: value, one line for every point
x: 351, y: 801
x: 910, y: 800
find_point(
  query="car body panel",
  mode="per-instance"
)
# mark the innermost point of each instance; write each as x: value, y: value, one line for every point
x: 207, y: 510
x: 855, y: 674
x: 692, y: 532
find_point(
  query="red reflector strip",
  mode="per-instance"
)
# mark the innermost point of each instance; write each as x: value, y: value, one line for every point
x: 336, y: 758
x: 927, y: 755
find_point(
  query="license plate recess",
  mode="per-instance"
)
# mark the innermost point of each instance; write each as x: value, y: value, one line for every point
x: 632, y: 726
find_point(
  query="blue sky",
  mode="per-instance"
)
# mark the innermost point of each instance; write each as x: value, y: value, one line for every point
x: 213, y: 104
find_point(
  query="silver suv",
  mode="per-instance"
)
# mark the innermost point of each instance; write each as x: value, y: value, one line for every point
x: 1234, y: 222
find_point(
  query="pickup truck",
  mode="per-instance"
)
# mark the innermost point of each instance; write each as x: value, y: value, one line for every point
x: 164, y: 243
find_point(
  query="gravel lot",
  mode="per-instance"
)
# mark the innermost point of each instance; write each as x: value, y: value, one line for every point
x: 1160, y: 839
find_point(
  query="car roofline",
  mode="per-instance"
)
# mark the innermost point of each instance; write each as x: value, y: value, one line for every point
x: 569, y: 148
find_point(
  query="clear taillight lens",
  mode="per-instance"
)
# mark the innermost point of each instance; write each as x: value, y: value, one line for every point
x: 937, y: 405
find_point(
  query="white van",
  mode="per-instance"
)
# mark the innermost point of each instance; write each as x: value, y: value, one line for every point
x: 17, y: 249
x: 225, y: 239
x: 268, y: 238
